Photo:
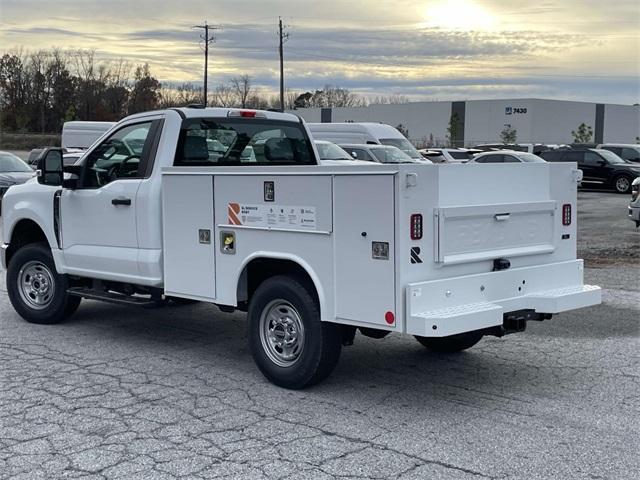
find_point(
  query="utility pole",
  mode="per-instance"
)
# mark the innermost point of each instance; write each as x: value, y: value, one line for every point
x: 283, y: 36
x: 207, y: 40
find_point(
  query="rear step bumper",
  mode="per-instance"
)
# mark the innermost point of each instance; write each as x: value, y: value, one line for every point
x: 440, y: 308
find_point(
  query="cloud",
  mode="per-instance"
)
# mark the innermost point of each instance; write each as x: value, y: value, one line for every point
x: 547, y: 48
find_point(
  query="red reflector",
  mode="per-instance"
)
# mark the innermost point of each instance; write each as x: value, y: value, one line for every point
x: 390, y: 318
x: 416, y: 226
x: 247, y: 113
x: 566, y: 214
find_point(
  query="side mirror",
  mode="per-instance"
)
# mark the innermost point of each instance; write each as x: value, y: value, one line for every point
x: 50, y: 167
x: 602, y: 163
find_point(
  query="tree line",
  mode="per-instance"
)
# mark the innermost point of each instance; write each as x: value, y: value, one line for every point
x: 41, y: 90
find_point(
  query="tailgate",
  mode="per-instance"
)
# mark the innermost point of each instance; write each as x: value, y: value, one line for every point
x: 479, y: 232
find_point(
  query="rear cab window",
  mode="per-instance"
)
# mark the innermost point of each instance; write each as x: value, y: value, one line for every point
x: 242, y: 141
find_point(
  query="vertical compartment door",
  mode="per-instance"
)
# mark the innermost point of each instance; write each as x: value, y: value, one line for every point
x: 188, y: 234
x: 363, y: 213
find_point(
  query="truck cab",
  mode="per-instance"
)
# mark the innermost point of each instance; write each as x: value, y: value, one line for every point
x: 232, y: 207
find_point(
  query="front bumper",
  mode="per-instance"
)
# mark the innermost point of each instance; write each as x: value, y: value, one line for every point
x: 3, y: 255
x: 440, y: 308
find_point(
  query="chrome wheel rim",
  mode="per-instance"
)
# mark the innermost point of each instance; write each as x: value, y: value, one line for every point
x: 622, y: 184
x: 281, y: 333
x: 36, y: 285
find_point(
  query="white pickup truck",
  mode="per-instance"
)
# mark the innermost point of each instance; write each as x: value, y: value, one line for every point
x: 154, y: 214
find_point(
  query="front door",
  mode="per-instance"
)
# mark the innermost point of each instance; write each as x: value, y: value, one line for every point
x: 99, y: 235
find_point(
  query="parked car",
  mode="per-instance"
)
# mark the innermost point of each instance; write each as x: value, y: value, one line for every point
x: 626, y: 151
x: 534, y: 148
x: 363, y: 133
x: 13, y: 171
x: 506, y: 156
x: 599, y: 167
x: 379, y: 153
x: 448, y: 155
x: 634, y: 205
x: 69, y: 157
x: 331, y: 154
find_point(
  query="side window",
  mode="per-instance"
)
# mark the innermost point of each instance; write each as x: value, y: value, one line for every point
x: 490, y: 159
x: 630, y: 154
x: 510, y: 159
x: 592, y: 159
x: 616, y: 150
x: 574, y: 157
x: 222, y: 141
x: 119, y: 156
x: 360, y: 154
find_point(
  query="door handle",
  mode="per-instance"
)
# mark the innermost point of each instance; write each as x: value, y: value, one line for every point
x: 121, y: 201
x: 501, y: 217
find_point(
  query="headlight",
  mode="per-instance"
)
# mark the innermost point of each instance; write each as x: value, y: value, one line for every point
x: 635, y: 191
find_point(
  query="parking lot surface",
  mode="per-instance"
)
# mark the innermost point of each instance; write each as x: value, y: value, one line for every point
x: 172, y: 393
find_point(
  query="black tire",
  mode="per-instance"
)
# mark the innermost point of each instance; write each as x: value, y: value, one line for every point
x: 319, y: 350
x: 57, y: 304
x: 451, y: 344
x: 622, y: 184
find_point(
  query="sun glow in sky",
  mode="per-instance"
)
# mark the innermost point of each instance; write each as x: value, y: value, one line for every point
x: 424, y: 49
x: 458, y: 15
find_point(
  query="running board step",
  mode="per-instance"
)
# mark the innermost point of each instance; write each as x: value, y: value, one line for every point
x: 112, y: 297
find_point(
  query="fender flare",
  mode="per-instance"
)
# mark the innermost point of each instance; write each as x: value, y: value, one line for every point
x: 290, y: 257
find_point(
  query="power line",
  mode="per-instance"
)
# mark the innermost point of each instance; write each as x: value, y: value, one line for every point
x: 207, y: 39
x: 283, y: 37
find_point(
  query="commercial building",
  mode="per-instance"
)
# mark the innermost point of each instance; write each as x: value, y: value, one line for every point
x: 482, y: 121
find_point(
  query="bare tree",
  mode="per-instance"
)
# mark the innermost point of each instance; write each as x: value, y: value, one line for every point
x: 223, y: 96
x: 242, y: 89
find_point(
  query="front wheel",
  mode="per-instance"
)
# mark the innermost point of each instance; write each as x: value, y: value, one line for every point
x: 289, y: 343
x: 452, y: 343
x: 36, y: 290
x: 622, y: 184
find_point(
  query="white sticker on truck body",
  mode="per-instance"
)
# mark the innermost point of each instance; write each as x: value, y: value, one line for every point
x: 272, y: 216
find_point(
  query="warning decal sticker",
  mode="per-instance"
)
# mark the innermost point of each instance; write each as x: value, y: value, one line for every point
x: 272, y: 216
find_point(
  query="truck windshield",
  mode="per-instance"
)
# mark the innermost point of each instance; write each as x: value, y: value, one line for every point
x: 11, y: 163
x: 331, y: 151
x: 404, y: 145
x: 386, y: 154
x: 245, y: 141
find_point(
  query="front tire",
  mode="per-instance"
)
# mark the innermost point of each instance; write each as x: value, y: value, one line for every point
x: 451, y: 344
x: 289, y: 343
x: 622, y: 184
x: 36, y: 290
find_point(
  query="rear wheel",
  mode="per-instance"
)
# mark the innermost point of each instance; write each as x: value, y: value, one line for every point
x: 289, y: 343
x: 451, y: 344
x: 36, y: 290
x: 622, y: 184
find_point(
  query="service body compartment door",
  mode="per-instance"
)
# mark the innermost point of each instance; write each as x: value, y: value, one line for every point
x: 188, y: 236
x: 364, y: 215
x: 483, y: 232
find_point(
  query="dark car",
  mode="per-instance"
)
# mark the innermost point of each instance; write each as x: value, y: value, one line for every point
x: 600, y: 168
x: 12, y: 172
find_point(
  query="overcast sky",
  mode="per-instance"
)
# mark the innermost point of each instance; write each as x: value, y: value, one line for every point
x: 430, y: 49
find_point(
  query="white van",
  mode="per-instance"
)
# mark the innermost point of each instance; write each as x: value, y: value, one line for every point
x: 80, y: 134
x: 359, y: 133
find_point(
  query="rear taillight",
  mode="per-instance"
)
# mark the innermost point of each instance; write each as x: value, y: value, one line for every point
x: 416, y: 226
x: 566, y: 214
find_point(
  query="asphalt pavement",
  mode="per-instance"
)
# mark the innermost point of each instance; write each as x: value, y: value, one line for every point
x: 173, y: 393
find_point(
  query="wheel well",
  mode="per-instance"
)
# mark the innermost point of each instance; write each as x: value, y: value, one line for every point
x: 260, y: 269
x: 25, y: 232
